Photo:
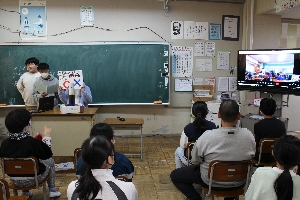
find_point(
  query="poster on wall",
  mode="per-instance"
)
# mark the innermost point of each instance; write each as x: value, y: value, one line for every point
x: 33, y: 24
x: 230, y: 27
x: 87, y: 15
x: 199, y: 49
x: 182, y: 61
x: 195, y: 30
x: 176, y: 30
x: 214, y: 31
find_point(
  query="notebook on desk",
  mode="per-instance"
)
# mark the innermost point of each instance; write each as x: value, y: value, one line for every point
x: 46, y: 103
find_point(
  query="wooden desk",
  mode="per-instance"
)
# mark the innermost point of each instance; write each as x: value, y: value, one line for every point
x: 68, y: 130
x: 128, y: 124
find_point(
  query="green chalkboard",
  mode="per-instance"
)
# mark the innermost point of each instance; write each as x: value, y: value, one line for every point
x: 136, y: 73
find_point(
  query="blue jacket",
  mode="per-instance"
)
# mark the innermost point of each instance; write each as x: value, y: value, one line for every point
x: 193, y: 134
x: 84, y: 97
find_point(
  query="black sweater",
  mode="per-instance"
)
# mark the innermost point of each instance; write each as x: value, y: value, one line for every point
x: 268, y: 128
x: 26, y: 147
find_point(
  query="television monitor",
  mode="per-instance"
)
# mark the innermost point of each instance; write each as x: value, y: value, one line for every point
x: 269, y: 70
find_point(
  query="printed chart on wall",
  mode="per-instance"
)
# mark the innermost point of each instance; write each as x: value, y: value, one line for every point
x: 87, y: 16
x: 195, y: 30
x: 33, y: 20
x: 199, y: 49
x: 182, y: 61
x: 183, y: 85
x: 227, y: 84
x: 223, y: 60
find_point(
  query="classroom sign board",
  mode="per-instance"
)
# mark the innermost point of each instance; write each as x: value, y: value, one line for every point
x: 65, y: 78
x: 123, y: 73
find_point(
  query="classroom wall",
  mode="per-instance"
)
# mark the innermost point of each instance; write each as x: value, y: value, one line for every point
x: 120, y: 16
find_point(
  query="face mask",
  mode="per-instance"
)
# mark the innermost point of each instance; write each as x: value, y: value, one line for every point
x: 44, y: 75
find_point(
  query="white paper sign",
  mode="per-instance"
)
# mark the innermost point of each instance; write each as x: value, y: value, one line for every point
x: 223, y: 84
x: 176, y: 30
x: 67, y: 77
x: 223, y: 60
x: 199, y: 49
x: 183, y: 85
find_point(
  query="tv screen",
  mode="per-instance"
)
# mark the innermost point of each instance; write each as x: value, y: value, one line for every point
x: 273, y: 71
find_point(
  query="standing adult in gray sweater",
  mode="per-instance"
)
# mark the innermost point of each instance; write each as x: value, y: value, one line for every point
x: 228, y: 143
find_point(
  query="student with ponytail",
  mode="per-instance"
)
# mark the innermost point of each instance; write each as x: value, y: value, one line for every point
x: 193, y: 131
x: 98, y: 181
x: 280, y: 182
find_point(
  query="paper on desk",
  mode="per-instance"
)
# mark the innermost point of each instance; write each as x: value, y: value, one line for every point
x: 47, y: 89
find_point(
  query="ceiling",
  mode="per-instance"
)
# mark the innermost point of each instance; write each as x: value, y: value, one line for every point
x: 291, y: 13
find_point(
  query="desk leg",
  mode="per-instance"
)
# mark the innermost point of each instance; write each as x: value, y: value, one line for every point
x: 141, y: 143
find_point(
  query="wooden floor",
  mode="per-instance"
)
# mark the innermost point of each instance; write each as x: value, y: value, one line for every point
x: 152, y: 176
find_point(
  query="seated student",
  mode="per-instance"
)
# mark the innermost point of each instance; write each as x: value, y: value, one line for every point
x: 84, y: 95
x: 280, y: 182
x: 193, y: 131
x: 46, y: 79
x: 97, y: 182
x: 269, y: 127
x: 226, y: 143
x: 20, y: 145
x: 267, y: 77
x: 122, y: 165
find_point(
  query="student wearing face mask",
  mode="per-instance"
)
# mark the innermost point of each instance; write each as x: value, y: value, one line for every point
x: 46, y: 79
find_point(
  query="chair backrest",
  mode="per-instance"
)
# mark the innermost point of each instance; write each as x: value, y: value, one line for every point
x: 229, y: 171
x: 265, y: 146
x: 4, y: 190
x: 20, y: 166
x: 189, y: 148
x: 77, y: 154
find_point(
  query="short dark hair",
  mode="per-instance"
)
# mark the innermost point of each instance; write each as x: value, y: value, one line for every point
x: 32, y: 60
x: 102, y: 129
x: 286, y: 152
x: 268, y: 106
x: 16, y: 120
x: 43, y: 66
x: 229, y: 110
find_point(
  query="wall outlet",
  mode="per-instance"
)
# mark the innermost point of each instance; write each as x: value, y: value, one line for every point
x: 256, y: 102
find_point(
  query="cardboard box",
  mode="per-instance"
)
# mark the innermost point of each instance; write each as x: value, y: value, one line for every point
x: 204, y: 87
x: 71, y: 109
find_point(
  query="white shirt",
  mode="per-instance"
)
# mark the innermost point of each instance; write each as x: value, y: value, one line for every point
x: 262, y: 184
x: 103, y: 175
x: 25, y: 86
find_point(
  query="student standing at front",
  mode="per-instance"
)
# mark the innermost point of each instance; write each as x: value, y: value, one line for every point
x: 26, y: 82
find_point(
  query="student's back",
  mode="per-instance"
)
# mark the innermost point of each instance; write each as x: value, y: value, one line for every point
x: 280, y: 182
x: 122, y: 165
x: 263, y: 187
x: 269, y: 127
